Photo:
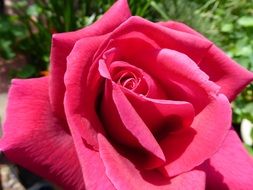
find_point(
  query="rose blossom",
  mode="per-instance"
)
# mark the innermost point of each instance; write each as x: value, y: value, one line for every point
x: 130, y: 104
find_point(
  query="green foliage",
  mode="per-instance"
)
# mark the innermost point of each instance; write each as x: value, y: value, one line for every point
x: 9, y: 30
x: 182, y: 11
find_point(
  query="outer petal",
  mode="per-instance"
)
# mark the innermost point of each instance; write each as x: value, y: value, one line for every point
x: 221, y: 69
x: 63, y: 43
x: 183, y: 72
x: 125, y: 176
x: 93, y: 169
x: 81, y: 114
x: 231, y: 167
x: 225, y: 72
x: 180, y: 27
x: 34, y: 138
x: 78, y: 97
x: 211, y: 125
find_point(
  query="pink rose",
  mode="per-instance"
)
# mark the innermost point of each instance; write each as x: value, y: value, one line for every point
x: 130, y: 104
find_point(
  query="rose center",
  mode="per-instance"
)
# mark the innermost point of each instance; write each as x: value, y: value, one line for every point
x: 129, y: 77
x: 127, y: 80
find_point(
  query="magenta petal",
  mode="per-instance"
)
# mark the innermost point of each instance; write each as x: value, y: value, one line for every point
x: 162, y: 116
x: 124, y: 175
x: 211, y: 126
x: 124, y: 123
x: 134, y: 123
x: 35, y: 139
x: 183, y: 72
x: 231, y: 167
x: 77, y: 95
x: 63, y: 43
x: 222, y: 70
x: 93, y: 169
x: 180, y: 27
x: 81, y: 115
x: 225, y: 72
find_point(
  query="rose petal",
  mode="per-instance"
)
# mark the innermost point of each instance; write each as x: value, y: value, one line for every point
x: 179, y: 76
x: 231, y: 167
x: 180, y: 27
x: 125, y: 176
x: 211, y: 124
x: 126, y: 126
x: 225, y: 72
x: 146, y: 86
x: 161, y: 116
x: 77, y: 96
x: 93, y: 169
x: 222, y: 70
x: 35, y: 139
x: 63, y: 43
x: 81, y: 113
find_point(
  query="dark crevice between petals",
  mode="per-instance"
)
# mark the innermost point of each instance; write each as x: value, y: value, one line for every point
x: 168, y: 125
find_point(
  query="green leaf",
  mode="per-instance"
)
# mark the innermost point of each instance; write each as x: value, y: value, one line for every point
x: 244, y: 51
x: 90, y: 19
x: 227, y: 28
x: 246, y: 21
x: 248, y: 108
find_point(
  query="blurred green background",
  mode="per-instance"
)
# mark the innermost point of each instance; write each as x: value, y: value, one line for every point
x: 26, y: 27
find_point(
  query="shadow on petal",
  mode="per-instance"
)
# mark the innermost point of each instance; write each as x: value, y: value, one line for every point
x: 212, y: 174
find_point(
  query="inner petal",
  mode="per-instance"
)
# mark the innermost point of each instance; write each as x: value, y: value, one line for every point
x: 129, y: 83
x: 129, y: 77
x: 132, y: 78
